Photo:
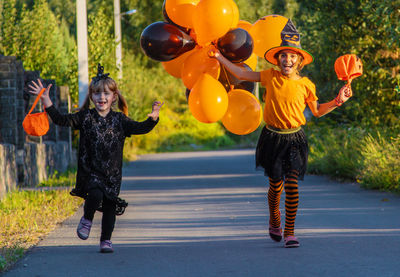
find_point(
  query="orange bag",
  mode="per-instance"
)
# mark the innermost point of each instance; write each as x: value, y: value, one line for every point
x: 348, y: 67
x: 36, y: 124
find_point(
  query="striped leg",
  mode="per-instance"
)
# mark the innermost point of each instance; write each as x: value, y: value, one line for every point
x: 291, y: 202
x: 274, y: 197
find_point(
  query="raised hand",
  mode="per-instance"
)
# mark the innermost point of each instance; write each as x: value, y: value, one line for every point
x: 344, y: 94
x: 213, y: 52
x: 36, y: 87
x: 155, y: 109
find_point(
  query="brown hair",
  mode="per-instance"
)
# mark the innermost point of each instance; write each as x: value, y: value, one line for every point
x: 99, y: 85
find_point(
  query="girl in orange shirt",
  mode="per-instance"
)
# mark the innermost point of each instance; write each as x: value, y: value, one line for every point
x: 282, y: 149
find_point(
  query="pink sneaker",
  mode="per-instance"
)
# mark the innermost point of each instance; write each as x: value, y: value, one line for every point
x: 83, y: 229
x: 291, y: 242
x: 275, y: 233
x: 106, y: 246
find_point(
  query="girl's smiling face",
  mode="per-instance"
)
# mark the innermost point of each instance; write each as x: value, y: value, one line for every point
x: 289, y: 62
x: 103, y: 100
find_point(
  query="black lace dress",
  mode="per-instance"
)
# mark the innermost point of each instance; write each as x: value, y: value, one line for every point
x: 101, y: 145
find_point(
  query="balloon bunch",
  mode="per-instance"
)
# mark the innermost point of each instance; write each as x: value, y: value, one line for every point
x: 182, y: 42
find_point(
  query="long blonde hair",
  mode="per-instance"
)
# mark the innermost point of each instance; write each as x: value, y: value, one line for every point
x: 99, y: 85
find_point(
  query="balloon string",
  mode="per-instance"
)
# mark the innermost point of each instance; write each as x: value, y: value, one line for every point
x: 226, y: 76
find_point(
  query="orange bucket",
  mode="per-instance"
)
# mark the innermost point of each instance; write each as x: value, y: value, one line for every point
x: 36, y: 124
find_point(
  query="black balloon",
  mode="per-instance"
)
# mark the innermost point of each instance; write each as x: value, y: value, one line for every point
x: 163, y: 42
x: 236, y: 45
x: 229, y: 81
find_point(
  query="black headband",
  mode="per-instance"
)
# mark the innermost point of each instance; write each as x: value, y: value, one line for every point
x: 100, y: 74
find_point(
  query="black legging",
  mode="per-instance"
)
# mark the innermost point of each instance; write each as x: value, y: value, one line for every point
x: 92, y: 202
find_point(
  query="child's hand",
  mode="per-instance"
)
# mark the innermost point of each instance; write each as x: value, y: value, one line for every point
x: 213, y: 52
x: 35, y: 89
x: 344, y: 94
x: 155, y: 110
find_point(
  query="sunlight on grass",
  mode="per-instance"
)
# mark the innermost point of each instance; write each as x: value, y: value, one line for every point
x: 368, y: 157
x: 27, y: 216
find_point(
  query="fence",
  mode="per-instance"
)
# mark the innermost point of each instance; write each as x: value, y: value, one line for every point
x: 25, y: 160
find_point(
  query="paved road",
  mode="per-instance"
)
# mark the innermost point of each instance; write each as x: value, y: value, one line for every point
x: 204, y: 214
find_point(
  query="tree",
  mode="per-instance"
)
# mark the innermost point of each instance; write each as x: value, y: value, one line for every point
x: 40, y: 41
x: 101, y: 42
x: 9, y: 43
x: 369, y: 29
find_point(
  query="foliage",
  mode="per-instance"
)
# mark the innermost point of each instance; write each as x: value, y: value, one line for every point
x: 9, y: 44
x: 142, y: 85
x: 38, y: 39
x: 381, y: 163
x: 178, y: 132
x: 334, y: 151
x: 370, y: 157
x: 60, y: 179
x: 101, y: 43
x: 287, y: 8
x: 369, y: 29
x: 249, y: 13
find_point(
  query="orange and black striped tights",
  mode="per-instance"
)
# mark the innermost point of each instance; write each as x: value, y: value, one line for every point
x: 291, y: 202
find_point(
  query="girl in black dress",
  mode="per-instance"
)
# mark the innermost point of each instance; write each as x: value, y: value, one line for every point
x: 102, y: 135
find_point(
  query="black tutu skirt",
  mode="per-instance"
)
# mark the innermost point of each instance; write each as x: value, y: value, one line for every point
x: 278, y: 154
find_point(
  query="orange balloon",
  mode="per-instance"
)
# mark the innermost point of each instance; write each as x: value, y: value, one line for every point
x: 212, y: 19
x: 208, y: 100
x: 181, y: 11
x: 235, y: 17
x: 192, y: 33
x: 174, y: 67
x: 196, y: 64
x: 252, y: 61
x: 244, y: 25
x: 244, y: 113
x: 266, y: 33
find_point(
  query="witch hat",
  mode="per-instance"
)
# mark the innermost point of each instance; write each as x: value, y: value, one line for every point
x: 290, y: 41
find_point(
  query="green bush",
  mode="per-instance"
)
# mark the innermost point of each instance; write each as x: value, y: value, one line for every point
x: 371, y: 157
x: 380, y: 163
x: 60, y: 179
x: 334, y: 151
x: 178, y: 132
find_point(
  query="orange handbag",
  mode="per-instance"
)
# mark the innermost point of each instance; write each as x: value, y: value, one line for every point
x: 36, y: 124
x: 348, y: 67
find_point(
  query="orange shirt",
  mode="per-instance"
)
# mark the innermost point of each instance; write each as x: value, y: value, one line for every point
x: 286, y: 99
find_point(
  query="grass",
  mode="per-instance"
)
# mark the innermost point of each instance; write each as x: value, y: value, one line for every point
x: 27, y: 216
x: 381, y: 163
x: 369, y: 157
x: 64, y: 179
